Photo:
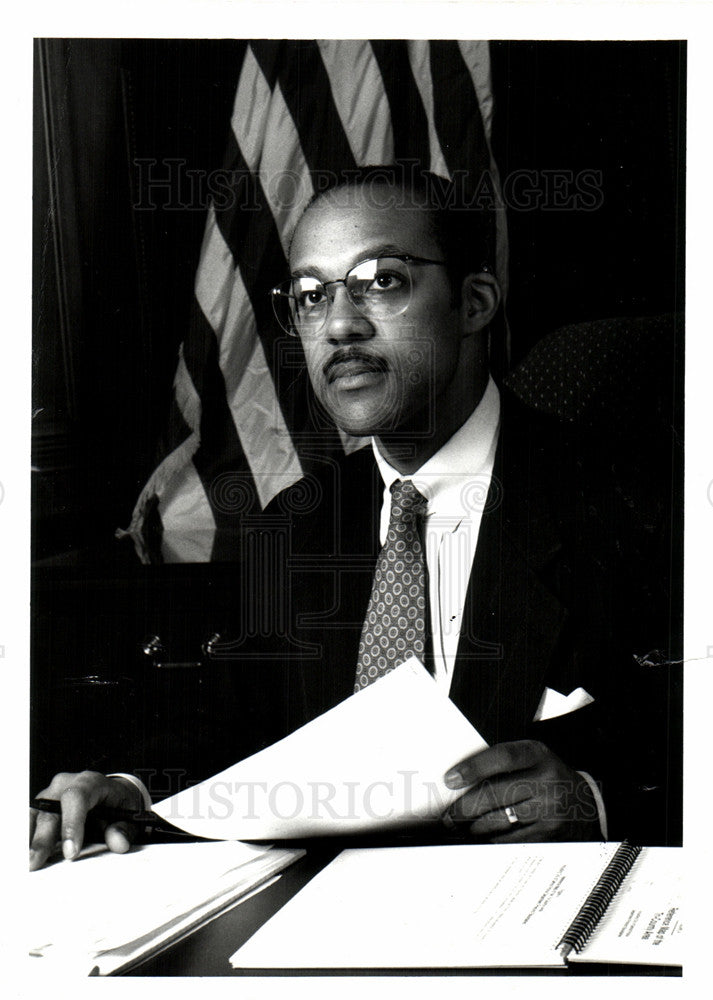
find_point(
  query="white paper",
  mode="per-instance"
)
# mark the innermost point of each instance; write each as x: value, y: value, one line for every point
x: 105, y: 910
x: 643, y: 924
x: 374, y: 762
x: 432, y: 907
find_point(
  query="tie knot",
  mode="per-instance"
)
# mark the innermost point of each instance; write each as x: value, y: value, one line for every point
x: 406, y: 502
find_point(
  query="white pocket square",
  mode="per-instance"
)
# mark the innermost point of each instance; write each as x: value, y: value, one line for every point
x: 552, y: 703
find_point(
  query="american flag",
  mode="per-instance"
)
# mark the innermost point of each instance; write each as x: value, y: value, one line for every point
x: 242, y: 424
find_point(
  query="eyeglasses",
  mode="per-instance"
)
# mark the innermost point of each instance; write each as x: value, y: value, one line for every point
x: 378, y: 288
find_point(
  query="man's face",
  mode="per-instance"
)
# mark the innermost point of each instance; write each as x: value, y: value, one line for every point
x: 377, y: 375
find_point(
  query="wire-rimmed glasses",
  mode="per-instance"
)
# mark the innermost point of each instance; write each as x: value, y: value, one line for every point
x: 378, y: 288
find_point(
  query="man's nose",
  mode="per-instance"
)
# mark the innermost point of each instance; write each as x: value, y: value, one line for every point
x: 344, y: 321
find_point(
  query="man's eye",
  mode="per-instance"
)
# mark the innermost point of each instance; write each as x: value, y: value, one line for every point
x: 386, y: 281
x: 311, y: 299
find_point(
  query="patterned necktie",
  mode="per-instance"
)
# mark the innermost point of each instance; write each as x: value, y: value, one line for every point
x: 395, y: 623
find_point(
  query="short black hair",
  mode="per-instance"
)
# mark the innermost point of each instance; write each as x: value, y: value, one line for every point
x: 463, y: 231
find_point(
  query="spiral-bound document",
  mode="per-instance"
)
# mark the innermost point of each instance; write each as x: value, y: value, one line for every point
x: 479, y: 906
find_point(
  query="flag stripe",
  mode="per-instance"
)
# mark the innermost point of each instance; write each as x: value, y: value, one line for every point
x: 183, y: 481
x: 461, y: 136
x: 181, y: 432
x: 281, y: 166
x: 177, y: 429
x: 186, y: 505
x: 263, y: 430
x: 220, y: 446
x: 419, y: 58
x: 186, y: 398
x: 476, y: 56
x: 370, y: 137
x: 246, y: 358
x: 465, y: 144
x: 214, y: 279
x: 225, y: 304
x: 256, y: 248
x: 251, y: 109
x: 270, y: 55
x: 234, y: 313
x: 255, y: 409
x: 304, y: 83
x: 254, y: 244
x: 408, y: 118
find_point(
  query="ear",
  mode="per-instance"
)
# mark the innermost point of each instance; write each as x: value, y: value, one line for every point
x: 480, y: 299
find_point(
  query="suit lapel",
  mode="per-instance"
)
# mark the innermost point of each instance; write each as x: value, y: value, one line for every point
x: 336, y: 549
x: 511, y: 620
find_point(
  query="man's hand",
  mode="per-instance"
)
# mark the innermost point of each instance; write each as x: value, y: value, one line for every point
x: 521, y: 791
x: 79, y: 794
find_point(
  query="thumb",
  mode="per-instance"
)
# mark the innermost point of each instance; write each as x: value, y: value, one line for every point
x: 120, y: 836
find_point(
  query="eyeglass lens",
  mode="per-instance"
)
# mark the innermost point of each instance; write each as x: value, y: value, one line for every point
x: 378, y: 288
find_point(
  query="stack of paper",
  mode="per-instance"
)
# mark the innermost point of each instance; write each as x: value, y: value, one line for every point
x: 104, y: 911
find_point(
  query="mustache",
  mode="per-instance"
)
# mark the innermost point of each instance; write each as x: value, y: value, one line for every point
x: 345, y: 355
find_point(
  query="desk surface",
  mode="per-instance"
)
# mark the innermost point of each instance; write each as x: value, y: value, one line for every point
x: 207, y: 951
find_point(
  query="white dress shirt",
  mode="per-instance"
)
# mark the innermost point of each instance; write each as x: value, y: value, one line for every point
x: 455, y: 482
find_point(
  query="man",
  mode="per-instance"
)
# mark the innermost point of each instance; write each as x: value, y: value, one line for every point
x: 510, y: 594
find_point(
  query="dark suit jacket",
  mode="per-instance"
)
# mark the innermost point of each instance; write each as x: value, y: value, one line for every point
x: 555, y: 599
x: 561, y: 595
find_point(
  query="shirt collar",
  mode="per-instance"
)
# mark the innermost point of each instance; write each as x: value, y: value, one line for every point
x: 446, y: 480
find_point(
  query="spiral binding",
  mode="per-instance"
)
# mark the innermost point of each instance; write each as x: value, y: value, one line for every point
x: 596, y: 903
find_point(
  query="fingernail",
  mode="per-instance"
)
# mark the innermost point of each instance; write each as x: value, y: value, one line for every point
x: 454, y: 778
x: 117, y: 837
x: 69, y: 849
x: 448, y: 821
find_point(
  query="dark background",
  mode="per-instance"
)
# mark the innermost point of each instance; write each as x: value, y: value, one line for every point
x: 112, y: 290
x: 112, y: 285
